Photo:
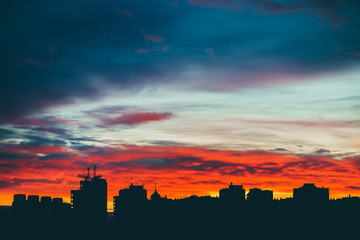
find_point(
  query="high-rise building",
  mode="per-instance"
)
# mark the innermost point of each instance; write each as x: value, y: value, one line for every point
x: 130, y: 202
x: 309, y: 193
x: 234, y: 193
x: 89, y: 202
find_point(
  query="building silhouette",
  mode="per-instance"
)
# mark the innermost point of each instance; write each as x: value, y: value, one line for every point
x: 232, y: 200
x: 310, y: 194
x: 31, y: 209
x: 18, y: 206
x: 259, y: 207
x: 260, y: 196
x: 228, y: 216
x: 89, y: 202
x: 45, y: 201
x: 233, y: 193
x: 45, y: 207
x: 155, y: 196
x: 130, y: 203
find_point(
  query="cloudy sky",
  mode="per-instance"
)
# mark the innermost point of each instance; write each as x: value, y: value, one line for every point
x: 187, y: 94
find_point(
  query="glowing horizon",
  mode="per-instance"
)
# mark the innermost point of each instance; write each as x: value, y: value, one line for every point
x: 183, y: 171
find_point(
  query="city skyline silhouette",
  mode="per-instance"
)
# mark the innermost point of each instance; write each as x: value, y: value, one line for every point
x: 95, y: 182
x: 309, y: 207
x: 93, y: 192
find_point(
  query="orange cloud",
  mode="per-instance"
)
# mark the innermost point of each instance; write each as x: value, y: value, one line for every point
x: 178, y: 171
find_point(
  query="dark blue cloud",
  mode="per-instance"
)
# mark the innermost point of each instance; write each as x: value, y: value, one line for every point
x: 5, y: 133
x: 59, y: 131
x: 33, y: 140
x: 187, y: 163
x: 8, y: 184
x: 55, y: 156
x: 54, y: 51
x: 11, y: 156
x: 13, y: 182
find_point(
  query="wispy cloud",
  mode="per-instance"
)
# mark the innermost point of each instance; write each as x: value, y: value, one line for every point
x: 154, y: 38
x: 210, y: 51
x: 124, y: 11
x: 155, y: 49
x: 304, y: 123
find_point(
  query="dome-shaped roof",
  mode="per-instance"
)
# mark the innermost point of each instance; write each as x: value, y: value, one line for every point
x: 155, y: 195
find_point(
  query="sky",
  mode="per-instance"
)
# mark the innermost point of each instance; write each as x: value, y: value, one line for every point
x: 188, y: 94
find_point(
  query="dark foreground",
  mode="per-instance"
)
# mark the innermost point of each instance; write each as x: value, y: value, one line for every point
x: 254, y: 222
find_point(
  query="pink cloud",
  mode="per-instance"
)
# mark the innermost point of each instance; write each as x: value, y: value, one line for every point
x: 124, y: 11
x: 141, y: 50
x: 210, y: 51
x: 156, y: 49
x: 136, y: 118
x: 153, y: 38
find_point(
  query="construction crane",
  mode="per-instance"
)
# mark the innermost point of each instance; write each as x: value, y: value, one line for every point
x: 85, y: 177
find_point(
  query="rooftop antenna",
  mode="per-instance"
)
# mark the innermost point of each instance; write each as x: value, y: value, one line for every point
x: 94, y: 174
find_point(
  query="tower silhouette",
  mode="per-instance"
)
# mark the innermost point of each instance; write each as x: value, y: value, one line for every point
x: 155, y: 196
x: 89, y: 202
